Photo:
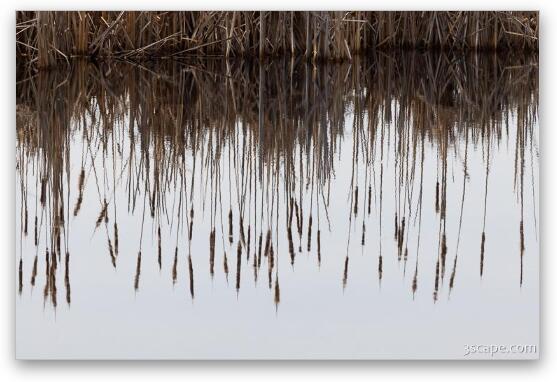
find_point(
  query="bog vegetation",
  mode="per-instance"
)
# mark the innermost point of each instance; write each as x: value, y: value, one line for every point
x: 44, y: 38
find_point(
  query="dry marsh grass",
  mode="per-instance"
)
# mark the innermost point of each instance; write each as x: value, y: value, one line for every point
x: 44, y: 38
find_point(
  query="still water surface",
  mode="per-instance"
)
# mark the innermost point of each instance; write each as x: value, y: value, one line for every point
x: 386, y: 208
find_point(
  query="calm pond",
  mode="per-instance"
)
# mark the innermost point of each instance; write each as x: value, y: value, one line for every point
x: 384, y: 208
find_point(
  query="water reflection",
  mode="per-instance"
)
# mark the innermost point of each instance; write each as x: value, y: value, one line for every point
x: 236, y: 169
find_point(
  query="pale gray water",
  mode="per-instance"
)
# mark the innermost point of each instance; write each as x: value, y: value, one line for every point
x: 320, y: 309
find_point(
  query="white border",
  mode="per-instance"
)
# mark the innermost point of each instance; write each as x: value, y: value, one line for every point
x: 11, y: 370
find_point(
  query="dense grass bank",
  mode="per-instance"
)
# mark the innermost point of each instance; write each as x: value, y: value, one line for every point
x: 44, y: 38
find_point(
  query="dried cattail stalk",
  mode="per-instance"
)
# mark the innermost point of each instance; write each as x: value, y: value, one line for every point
x: 116, y: 238
x: 396, y: 227
x: 225, y: 264
x: 259, y: 249
x: 238, y: 265
x: 277, y: 292
x: 309, y: 232
x: 380, y: 267
x: 212, y: 252
x: 36, y: 234
x: 319, y: 246
x: 159, y: 247
x: 242, y: 236
x: 443, y: 254
x: 190, y: 267
x: 20, y: 276
x: 175, y: 266
x: 271, y: 264
x: 345, y: 273
x: 369, y: 200
x: 137, y: 271
x: 230, y: 227
x: 291, y: 245
x: 267, y: 243
x: 111, y: 253
x: 102, y: 214
x: 34, y: 271
x: 25, y: 222
x: 67, y: 278
x: 190, y: 231
x: 356, y: 201
x: 80, y: 192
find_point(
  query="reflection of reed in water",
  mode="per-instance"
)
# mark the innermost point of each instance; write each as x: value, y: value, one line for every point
x: 183, y: 127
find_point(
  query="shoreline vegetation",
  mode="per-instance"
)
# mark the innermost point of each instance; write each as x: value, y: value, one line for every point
x: 44, y: 39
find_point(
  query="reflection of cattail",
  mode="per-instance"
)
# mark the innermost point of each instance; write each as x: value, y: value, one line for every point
x: 396, y: 226
x: 102, y: 214
x: 67, y: 278
x: 369, y: 200
x: 242, y: 235
x: 159, y: 247
x: 291, y: 245
x: 43, y: 191
x: 80, y: 195
x: 319, y: 246
x: 190, y: 267
x: 259, y: 249
x: 356, y: 201
x: 482, y: 252
x: 309, y: 232
x: 25, y: 222
x: 298, y: 219
x: 380, y: 267
x: 36, y: 233
x: 451, y: 280
x: 255, y: 267
x: 190, y: 231
x: 116, y: 238
x: 34, y: 271
x: 345, y: 274
x: 47, y: 275
x: 443, y: 253
x: 267, y: 243
x: 238, y: 266
x: 111, y: 252
x: 277, y: 292
x: 435, y: 292
x: 522, y: 237
x: 225, y: 264
x: 20, y: 278
x: 230, y: 227
x: 61, y: 220
x: 521, y: 249
x: 212, y: 252
x: 137, y: 271
x: 53, y: 259
x: 175, y: 266
x: 271, y: 265
x: 363, y: 233
x: 53, y: 289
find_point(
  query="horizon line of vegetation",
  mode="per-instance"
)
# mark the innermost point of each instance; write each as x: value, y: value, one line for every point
x: 43, y: 38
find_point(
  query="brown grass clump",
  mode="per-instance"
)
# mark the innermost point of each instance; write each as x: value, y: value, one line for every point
x: 46, y: 37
